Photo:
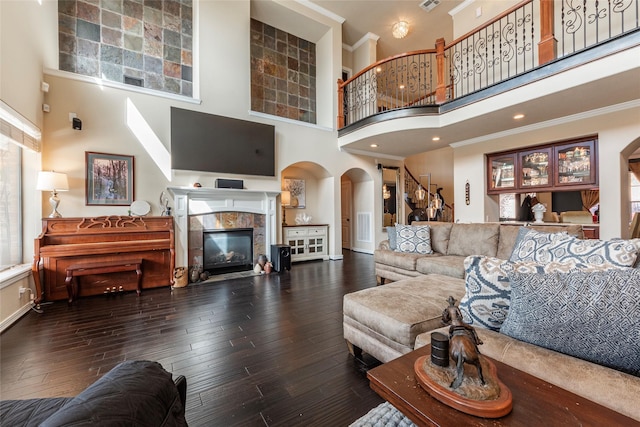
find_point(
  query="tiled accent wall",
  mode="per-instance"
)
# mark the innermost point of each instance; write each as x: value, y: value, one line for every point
x: 145, y: 43
x: 283, y: 74
x: 221, y: 221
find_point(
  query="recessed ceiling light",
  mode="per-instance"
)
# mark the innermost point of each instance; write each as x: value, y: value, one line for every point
x: 518, y: 116
x: 373, y: 145
x: 378, y: 69
x: 435, y: 138
x: 401, y: 87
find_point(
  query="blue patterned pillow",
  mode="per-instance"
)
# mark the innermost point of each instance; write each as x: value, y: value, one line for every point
x: 532, y: 245
x: 593, y: 316
x: 392, y: 236
x: 414, y: 239
x: 488, y: 291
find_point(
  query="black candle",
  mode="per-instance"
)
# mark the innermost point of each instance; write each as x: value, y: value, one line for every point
x: 439, y: 349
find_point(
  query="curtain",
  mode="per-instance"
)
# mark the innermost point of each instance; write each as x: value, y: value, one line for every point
x: 635, y: 169
x: 589, y: 198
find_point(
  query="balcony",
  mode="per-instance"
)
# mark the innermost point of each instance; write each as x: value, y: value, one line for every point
x: 551, y: 59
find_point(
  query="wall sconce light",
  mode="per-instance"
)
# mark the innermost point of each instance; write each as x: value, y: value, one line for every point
x: 400, y: 29
x: 285, y: 200
x: 54, y: 182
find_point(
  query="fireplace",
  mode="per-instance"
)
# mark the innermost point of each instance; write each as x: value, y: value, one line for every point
x: 227, y: 250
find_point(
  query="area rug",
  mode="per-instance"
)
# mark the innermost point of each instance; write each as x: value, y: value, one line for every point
x: 383, y: 415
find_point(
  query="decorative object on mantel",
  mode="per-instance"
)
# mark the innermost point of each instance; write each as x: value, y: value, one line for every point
x: 140, y: 208
x: 303, y: 218
x: 54, y: 182
x: 473, y: 390
x: 109, y: 179
x: 538, y: 212
x: 297, y: 189
x: 164, y: 202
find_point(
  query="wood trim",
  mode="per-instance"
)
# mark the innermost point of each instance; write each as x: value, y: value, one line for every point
x: 547, y: 46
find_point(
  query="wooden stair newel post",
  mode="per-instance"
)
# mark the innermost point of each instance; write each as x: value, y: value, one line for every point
x: 441, y: 87
x: 548, y: 43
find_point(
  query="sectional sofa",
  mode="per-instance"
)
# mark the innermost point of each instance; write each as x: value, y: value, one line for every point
x: 496, y: 272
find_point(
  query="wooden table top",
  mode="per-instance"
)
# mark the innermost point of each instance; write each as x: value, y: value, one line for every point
x: 535, y: 402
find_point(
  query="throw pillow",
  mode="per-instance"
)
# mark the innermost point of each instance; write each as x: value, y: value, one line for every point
x: 487, y: 298
x: 414, y: 239
x: 541, y: 247
x: 532, y: 245
x: 392, y: 237
x: 592, y: 316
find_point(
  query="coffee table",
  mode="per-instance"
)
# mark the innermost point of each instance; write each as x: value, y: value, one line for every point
x: 535, y: 402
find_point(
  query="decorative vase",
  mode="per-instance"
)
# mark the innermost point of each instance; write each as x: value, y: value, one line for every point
x: 262, y: 260
x: 268, y: 267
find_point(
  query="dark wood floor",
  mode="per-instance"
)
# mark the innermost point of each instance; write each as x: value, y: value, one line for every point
x: 264, y: 350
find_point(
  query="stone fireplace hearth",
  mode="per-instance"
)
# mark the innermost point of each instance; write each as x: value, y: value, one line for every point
x: 199, y: 209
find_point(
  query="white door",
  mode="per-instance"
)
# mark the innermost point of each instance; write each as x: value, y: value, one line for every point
x: 345, y: 201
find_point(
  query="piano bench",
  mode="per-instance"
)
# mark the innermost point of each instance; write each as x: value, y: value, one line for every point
x: 86, y: 269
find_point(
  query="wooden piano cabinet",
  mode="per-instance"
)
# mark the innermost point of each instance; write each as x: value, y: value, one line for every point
x: 71, y: 241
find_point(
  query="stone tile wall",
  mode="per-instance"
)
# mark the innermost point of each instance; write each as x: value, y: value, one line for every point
x: 221, y: 221
x: 145, y: 43
x: 283, y: 74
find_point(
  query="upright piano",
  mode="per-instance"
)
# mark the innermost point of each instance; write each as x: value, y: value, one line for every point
x: 71, y: 241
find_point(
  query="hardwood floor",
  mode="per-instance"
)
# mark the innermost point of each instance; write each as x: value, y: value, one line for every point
x: 259, y: 351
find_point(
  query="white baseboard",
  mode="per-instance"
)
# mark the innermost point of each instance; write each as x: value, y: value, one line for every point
x: 364, y: 251
x: 336, y: 257
x: 14, y: 317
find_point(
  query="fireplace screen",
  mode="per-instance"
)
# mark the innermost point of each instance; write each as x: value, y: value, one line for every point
x: 228, y: 250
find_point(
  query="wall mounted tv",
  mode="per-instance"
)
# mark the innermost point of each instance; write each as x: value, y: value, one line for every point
x: 210, y: 143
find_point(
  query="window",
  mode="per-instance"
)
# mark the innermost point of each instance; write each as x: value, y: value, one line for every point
x: 635, y: 193
x: 16, y: 134
x: 10, y: 206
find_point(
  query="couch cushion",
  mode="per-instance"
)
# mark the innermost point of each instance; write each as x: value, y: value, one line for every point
x: 447, y: 265
x: 413, y: 239
x: 593, y: 316
x: 405, y: 261
x: 487, y: 289
x: 474, y: 239
x: 402, y: 310
x: 440, y: 233
x: 545, y: 247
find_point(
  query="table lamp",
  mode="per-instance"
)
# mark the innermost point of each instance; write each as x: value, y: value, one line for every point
x: 54, y: 182
x: 285, y: 200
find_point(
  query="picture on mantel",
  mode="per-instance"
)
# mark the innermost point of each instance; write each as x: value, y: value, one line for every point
x: 296, y: 187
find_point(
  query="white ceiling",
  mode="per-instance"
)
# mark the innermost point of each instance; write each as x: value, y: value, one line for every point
x: 378, y: 16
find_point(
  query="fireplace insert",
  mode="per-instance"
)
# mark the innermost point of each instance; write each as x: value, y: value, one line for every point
x: 228, y: 250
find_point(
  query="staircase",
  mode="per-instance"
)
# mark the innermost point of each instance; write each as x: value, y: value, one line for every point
x: 411, y: 184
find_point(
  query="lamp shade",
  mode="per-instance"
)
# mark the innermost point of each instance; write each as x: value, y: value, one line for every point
x: 52, y: 181
x: 285, y: 198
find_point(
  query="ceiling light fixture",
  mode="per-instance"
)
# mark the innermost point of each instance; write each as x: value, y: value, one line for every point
x: 518, y: 116
x: 400, y: 29
x: 373, y: 145
x: 435, y: 138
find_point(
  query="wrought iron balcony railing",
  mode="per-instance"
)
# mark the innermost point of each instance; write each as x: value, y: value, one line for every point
x: 531, y: 34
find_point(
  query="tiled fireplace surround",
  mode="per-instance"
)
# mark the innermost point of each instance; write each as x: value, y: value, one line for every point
x: 198, y: 209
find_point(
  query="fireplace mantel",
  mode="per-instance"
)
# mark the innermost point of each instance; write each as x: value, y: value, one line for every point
x: 200, y: 201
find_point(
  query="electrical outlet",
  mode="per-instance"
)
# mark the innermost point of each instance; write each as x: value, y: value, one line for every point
x: 22, y: 290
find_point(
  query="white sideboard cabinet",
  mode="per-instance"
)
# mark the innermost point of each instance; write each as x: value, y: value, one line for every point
x: 309, y: 241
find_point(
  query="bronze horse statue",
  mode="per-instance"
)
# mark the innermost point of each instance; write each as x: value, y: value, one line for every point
x: 463, y: 342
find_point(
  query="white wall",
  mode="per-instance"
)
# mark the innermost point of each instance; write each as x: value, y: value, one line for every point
x: 465, y: 18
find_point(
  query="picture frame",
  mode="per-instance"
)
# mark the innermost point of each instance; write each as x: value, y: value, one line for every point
x: 297, y: 189
x: 109, y: 179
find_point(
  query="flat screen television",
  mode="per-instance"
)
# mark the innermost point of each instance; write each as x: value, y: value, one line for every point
x: 210, y: 143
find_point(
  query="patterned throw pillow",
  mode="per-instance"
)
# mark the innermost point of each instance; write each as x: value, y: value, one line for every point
x: 592, y: 316
x: 414, y: 239
x: 532, y: 245
x: 545, y: 247
x: 392, y: 236
x: 488, y: 291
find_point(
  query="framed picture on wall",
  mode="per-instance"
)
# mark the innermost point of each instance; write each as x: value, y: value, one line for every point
x: 297, y: 189
x: 109, y: 179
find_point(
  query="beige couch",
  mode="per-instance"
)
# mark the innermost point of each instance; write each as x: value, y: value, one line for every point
x: 451, y: 244
x: 391, y: 320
